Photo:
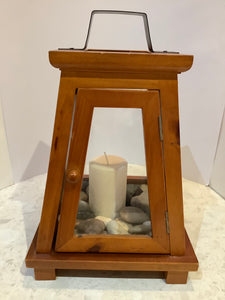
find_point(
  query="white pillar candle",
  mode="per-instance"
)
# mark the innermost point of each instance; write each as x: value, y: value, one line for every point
x: 107, y: 185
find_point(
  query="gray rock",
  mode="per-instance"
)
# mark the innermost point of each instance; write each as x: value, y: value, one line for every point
x: 87, y: 190
x: 141, y: 202
x: 84, y: 185
x: 83, y: 196
x: 84, y: 211
x: 85, y: 214
x: 144, y: 228
x: 132, y: 190
x: 133, y: 215
x: 115, y: 227
x: 90, y: 226
x: 83, y: 205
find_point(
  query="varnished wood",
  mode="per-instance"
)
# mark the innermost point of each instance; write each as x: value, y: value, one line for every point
x: 44, y: 274
x: 173, y: 177
x: 148, y: 101
x: 115, y: 70
x: 110, y: 261
x: 56, y: 167
x: 105, y: 61
x: 174, y: 277
x: 73, y: 176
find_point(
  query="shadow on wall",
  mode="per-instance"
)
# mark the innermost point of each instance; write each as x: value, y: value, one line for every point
x: 190, y: 169
x: 39, y: 161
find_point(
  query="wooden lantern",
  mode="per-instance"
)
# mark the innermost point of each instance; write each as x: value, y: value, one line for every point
x: 115, y: 79
x: 111, y: 79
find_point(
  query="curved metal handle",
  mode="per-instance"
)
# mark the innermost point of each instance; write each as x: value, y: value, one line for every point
x: 123, y: 12
x: 141, y: 14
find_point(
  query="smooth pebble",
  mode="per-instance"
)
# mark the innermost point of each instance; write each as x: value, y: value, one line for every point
x: 132, y: 190
x: 84, y: 211
x: 114, y: 227
x: 141, y: 228
x: 83, y: 196
x: 84, y: 185
x: 133, y: 215
x: 87, y: 190
x: 141, y: 201
x: 90, y: 226
x: 103, y: 219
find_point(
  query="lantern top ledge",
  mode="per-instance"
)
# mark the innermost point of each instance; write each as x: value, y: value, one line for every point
x: 120, y: 61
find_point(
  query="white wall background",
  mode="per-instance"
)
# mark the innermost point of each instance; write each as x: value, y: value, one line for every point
x: 28, y: 83
x: 5, y: 166
x: 217, y: 181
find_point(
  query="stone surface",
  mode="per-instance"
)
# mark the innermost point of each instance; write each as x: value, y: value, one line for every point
x: 144, y: 228
x: 85, y: 214
x: 90, y: 226
x: 87, y: 190
x: 115, y: 227
x: 133, y: 215
x: 84, y: 185
x: 123, y: 224
x: 103, y: 219
x: 83, y: 196
x: 141, y: 202
x: 83, y: 205
x: 132, y: 190
x: 84, y: 211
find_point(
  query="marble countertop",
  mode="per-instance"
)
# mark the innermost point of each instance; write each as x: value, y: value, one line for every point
x: 20, y: 209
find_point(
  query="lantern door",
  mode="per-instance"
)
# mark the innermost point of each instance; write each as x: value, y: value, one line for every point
x: 104, y: 208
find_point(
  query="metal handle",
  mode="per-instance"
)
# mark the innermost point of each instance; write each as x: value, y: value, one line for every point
x: 141, y: 14
x: 121, y: 12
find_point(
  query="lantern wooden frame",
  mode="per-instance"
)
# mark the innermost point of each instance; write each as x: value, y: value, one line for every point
x: 92, y: 73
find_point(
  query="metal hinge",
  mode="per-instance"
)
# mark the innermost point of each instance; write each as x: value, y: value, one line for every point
x: 160, y: 128
x: 167, y: 222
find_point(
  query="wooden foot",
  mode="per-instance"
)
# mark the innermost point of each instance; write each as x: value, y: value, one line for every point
x: 44, y: 274
x: 173, y: 277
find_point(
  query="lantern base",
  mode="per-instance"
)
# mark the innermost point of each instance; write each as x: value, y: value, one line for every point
x: 173, y: 268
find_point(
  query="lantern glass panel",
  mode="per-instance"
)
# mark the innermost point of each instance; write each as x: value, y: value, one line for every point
x: 114, y: 194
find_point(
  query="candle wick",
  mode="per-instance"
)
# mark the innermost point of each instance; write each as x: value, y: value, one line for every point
x: 106, y: 157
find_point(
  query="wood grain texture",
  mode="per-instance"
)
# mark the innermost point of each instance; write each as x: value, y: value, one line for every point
x: 76, y: 161
x: 110, y: 261
x: 148, y: 101
x: 56, y: 167
x: 173, y: 177
x: 136, y: 62
x: 44, y: 274
x: 116, y: 70
x: 174, y: 277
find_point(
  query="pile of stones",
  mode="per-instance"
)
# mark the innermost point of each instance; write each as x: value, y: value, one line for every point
x: 134, y: 218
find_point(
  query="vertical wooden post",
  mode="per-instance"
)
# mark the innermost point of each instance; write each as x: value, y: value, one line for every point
x: 56, y: 169
x: 173, y: 178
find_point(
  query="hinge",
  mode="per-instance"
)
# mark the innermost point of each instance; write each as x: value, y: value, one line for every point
x: 167, y: 222
x: 160, y: 128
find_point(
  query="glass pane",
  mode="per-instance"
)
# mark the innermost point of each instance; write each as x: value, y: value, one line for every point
x: 114, y: 196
